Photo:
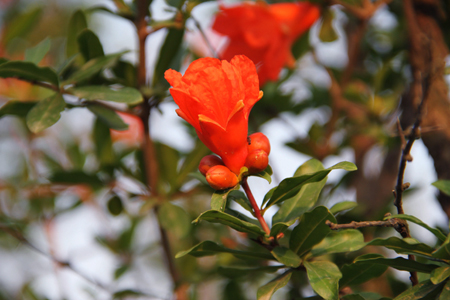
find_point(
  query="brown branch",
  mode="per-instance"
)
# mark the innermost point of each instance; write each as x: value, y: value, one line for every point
x: 255, y: 206
x: 355, y: 225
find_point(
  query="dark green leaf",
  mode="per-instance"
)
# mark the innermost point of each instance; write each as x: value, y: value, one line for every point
x: 167, y: 53
x: 126, y: 294
x: 174, y: 219
x: 77, y: 24
x: 443, y: 252
x: 219, y: 199
x: 89, y: 45
x: 443, y: 186
x: 103, y: 143
x: 425, y: 290
x: 191, y: 162
x: 324, y: 277
x: 327, y: 32
x: 16, y: 108
x: 341, y: 206
x: 305, y: 198
x: 353, y: 297
x: 311, y: 230
x: 21, y: 25
x: 38, y: 52
x: 168, y: 163
x: 403, y: 246
x: 92, y: 67
x: 399, y: 263
x: 233, y: 291
x: 445, y: 294
x: 286, y: 257
x: 120, y: 271
x: 439, y: 274
x: 266, y: 291
x: 75, y: 177
x: 277, y: 228
x: 115, y: 206
x: 360, y: 272
x: 240, y: 198
x: 236, y: 272
x: 28, y: 71
x: 45, y: 113
x: 266, y: 174
x: 208, y: 248
x: 109, y: 117
x: 415, y: 220
x: 301, y: 46
x: 339, y: 241
x: 215, y: 216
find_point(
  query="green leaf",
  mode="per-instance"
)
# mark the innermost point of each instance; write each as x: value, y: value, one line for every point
x: 215, y: 216
x: 403, y: 246
x: 340, y: 241
x: 103, y: 143
x: 324, y: 277
x: 209, y: 248
x: 327, y: 32
x: 425, y: 290
x: 21, y: 25
x: 45, y: 113
x: 353, y: 297
x: 311, y: 230
x: 439, y: 274
x: 167, y: 53
x: 277, y: 228
x: 126, y: 95
x: 76, y: 177
x: 115, y: 205
x: 168, y: 164
x: 92, y: 67
x: 341, y: 206
x: 266, y: 291
x: 445, y: 294
x: 191, y: 161
x: 443, y: 186
x: 415, y: 220
x: 360, y: 272
x: 219, y: 199
x: 16, y: 108
x: 399, y: 263
x: 286, y: 256
x: 289, y: 187
x: 266, y: 174
x: 77, y: 24
x: 29, y: 72
x: 240, y: 198
x: 305, y: 198
x: 236, y: 272
x: 126, y: 294
x: 174, y: 219
x: 38, y: 52
x: 89, y: 45
x: 109, y: 117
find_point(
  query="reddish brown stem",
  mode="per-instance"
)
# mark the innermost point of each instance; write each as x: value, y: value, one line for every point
x: 256, y: 209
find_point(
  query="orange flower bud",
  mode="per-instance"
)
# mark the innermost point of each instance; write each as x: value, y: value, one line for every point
x: 208, y: 162
x: 257, y: 161
x: 221, y: 178
x: 258, y: 141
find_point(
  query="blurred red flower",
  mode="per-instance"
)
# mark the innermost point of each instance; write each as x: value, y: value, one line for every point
x: 133, y: 135
x: 216, y: 98
x: 265, y: 33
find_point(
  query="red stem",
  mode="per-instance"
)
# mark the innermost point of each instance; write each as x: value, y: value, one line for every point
x: 255, y: 206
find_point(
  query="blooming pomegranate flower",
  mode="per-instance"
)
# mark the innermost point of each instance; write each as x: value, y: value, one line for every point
x: 216, y: 98
x: 265, y: 33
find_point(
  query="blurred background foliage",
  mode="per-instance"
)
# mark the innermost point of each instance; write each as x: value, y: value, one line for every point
x: 80, y: 217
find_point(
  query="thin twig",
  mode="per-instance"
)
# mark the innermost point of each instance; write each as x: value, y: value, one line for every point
x: 205, y: 38
x: 255, y: 206
x: 355, y: 225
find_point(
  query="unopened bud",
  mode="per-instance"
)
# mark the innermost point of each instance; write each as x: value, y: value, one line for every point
x: 221, y: 178
x: 258, y: 141
x: 208, y: 162
x: 257, y: 161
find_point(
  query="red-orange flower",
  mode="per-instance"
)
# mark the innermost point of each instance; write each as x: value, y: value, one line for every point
x: 265, y: 33
x: 216, y: 98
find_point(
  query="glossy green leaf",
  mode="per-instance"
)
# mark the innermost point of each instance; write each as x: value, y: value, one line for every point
x: 215, y: 216
x: 443, y: 186
x: 311, y: 230
x: 38, y: 52
x: 341, y: 206
x: 327, y: 32
x: 339, y: 241
x: 236, y: 272
x: 93, y: 67
x: 29, y: 72
x: 16, y: 108
x: 399, y: 263
x: 21, y: 25
x: 289, y: 187
x: 76, y: 177
x: 45, y: 113
x: 305, y: 199
x: 240, y: 198
x: 77, y: 24
x: 89, y: 45
x: 415, y: 220
x: 219, y: 199
x: 440, y: 274
x: 266, y: 291
x: 403, y: 246
x: 174, y: 219
x: 109, y: 117
x: 324, y: 278
x: 443, y: 252
x: 277, y: 228
x: 208, y: 248
x: 425, y: 290
x: 103, y: 143
x: 167, y: 53
x: 445, y: 294
x: 266, y: 174
x: 286, y: 256
x: 359, y: 272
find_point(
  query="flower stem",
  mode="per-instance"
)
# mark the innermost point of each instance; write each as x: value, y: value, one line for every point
x: 255, y: 205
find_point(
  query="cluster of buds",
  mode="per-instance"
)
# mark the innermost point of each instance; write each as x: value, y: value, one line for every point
x: 220, y: 177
